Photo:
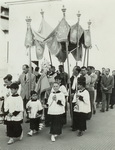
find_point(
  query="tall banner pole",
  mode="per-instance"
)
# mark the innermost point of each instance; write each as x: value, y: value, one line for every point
x: 28, y: 20
x: 84, y: 57
x: 89, y: 23
x: 78, y: 15
x: 50, y: 57
x: 69, y: 82
x: 87, y: 57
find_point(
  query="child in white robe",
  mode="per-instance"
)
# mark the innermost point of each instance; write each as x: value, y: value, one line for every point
x: 13, y: 111
x: 56, y: 109
x: 35, y: 110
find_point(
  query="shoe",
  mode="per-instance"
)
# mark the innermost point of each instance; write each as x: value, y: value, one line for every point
x: 30, y: 133
x: 47, y: 125
x: 94, y: 112
x: 55, y: 135
x: 74, y: 129
x: 102, y: 110
x: 11, y: 140
x: 1, y: 118
x: 80, y: 133
x: 21, y: 136
x: 107, y: 109
x: 34, y: 132
x: 53, y: 138
x: 111, y: 107
x: 97, y: 106
x: 1, y: 121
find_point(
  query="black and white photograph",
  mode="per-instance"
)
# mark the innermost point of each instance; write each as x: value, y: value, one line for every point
x: 57, y: 75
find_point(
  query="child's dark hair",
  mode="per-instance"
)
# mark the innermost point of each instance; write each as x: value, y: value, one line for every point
x: 57, y: 77
x: 8, y: 77
x: 14, y: 86
x: 37, y: 69
x: 56, y: 83
x: 33, y: 92
x: 82, y: 81
x: 26, y: 65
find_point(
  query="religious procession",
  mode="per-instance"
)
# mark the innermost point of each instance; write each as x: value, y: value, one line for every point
x: 46, y: 97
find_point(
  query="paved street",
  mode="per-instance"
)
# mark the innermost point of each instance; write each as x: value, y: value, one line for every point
x: 99, y: 136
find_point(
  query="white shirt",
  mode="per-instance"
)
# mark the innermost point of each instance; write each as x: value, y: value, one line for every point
x: 74, y: 85
x: 34, y: 107
x: 63, y: 89
x: 14, y: 103
x: 82, y: 106
x: 53, y: 107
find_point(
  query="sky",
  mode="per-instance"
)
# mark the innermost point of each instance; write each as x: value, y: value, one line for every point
x: 100, y: 12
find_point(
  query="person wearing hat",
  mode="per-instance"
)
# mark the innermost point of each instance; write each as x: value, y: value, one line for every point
x: 34, y: 108
x: 81, y: 103
x: 13, y: 111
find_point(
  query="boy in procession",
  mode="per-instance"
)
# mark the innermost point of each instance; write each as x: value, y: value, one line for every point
x: 81, y: 103
x: 34, y: 108
x: 56, y: 109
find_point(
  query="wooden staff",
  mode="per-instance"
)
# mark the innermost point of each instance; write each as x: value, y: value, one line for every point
x: 78, y: 15
x: 89, y: 23
x: 28, y: 20
x: 87, y: 57
x: 84, y: 58
x: 64, y: 10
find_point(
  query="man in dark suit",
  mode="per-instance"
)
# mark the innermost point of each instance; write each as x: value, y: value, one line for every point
x: 63, y: 75
x: 73, y: 79
x: 107, y: 84
x: 74, y: 84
